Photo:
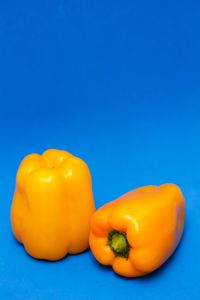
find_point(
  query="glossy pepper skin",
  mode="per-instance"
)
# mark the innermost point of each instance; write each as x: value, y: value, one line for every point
x: 52, y: 204
x: 137, y: 233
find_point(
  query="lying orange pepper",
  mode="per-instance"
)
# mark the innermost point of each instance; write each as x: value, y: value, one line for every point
x: 52, y: 205
x: 138, y: 232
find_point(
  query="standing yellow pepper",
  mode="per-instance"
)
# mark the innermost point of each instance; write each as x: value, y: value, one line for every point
x: 52, y: 204
x: 138, y: 232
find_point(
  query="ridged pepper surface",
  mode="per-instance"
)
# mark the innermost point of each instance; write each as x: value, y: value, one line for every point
x: 52, y: 204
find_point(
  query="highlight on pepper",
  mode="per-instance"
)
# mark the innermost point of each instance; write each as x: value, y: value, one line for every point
x: 52, y: 204
x: 139, y: 231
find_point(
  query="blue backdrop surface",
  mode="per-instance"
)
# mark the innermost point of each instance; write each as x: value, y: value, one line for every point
x: 118, y: 84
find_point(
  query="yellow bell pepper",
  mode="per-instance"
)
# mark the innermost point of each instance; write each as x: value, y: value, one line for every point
x: 138, y: 232
x: 52, y: 205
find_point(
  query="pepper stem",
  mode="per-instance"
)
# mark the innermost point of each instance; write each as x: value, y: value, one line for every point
x: 118, y: 243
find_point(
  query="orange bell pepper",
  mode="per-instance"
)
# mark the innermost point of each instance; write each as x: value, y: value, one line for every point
x: 138, y: 232
x: 52, y: 205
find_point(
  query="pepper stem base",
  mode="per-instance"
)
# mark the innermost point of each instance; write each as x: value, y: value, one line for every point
x: 118, y: 243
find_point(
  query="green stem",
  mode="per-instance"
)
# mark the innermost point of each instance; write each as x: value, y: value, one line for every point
x: 119, y: 244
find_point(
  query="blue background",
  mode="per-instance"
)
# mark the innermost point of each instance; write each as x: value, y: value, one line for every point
x: 118, y: 84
